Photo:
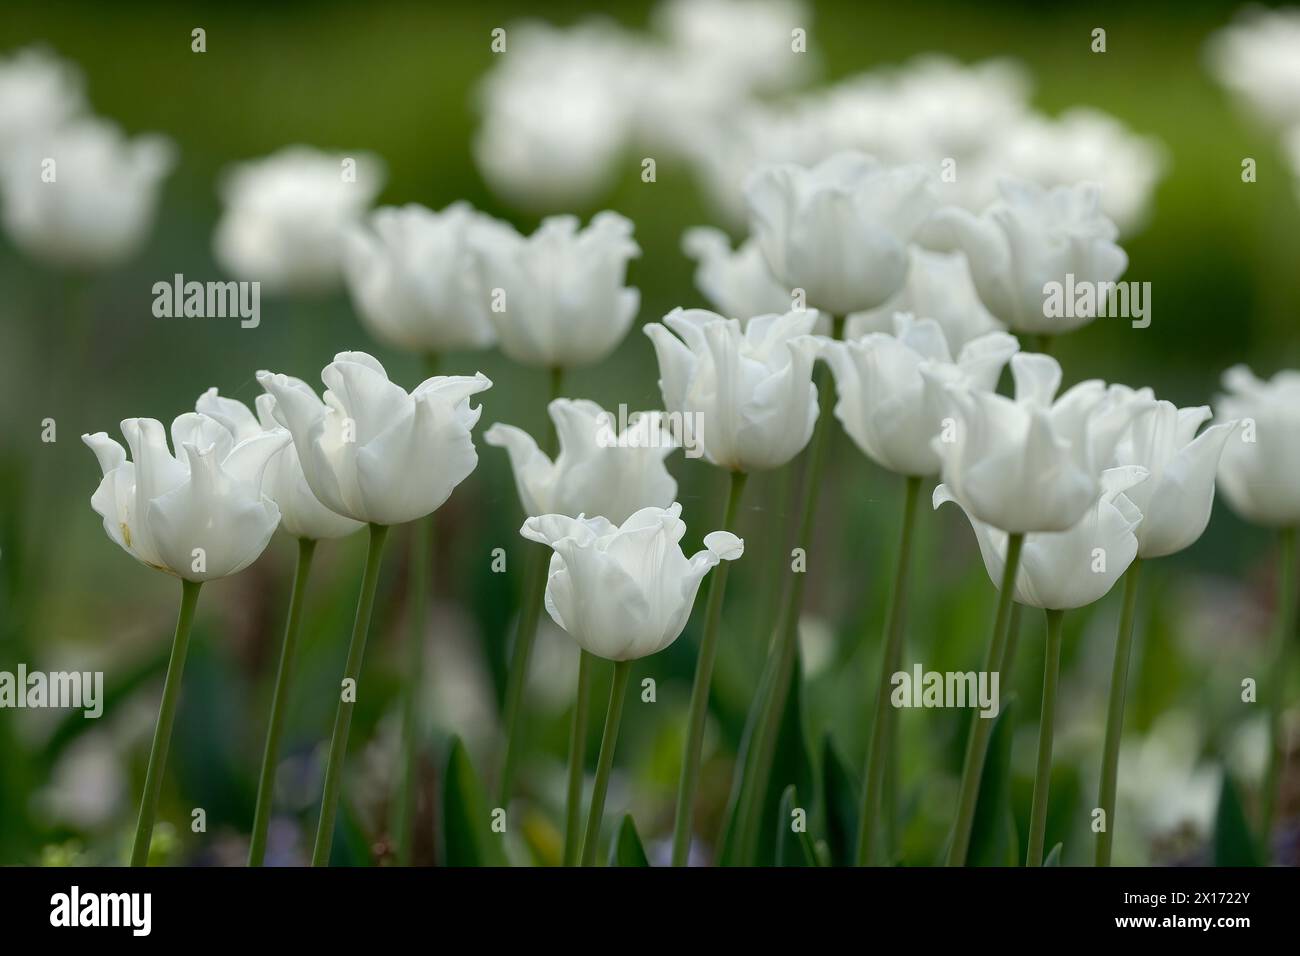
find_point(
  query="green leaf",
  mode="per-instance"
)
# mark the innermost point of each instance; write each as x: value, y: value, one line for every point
x: 840, y: 795
x: 993, y: 840
x: 792, y: 849
x: 1234, y: 845
x: 627, y: 849
x: 466, y: 822
x: 1054, y: 857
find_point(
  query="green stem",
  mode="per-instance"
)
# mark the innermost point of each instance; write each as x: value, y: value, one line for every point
x: 613, y: 716
x: 977, y: 744
x: 403, y: 828
x: 689, y: 782
x: 577, y: 760
x: 279, y: 703
x: 1115, y: 714
x: 882, y: 731
x: 343, y: 717
x: 1286, y: 617
x: 162, y: 733
x: 785, y: 638
x: 1046, y: 727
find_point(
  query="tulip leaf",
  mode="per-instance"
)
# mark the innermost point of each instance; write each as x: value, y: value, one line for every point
x: 467, y: 834
x: 993, y: 840
x: 840, y: 796
x: 1054, y: 857
x: 1234, y: 844
x: 793, y: 846
x: 626, y: 850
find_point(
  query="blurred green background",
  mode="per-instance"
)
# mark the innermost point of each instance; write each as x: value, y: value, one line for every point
x: 397, y: 79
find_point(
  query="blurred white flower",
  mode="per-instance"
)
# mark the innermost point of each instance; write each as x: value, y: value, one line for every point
x: 201, y: 516
x: 38, y: 91
x: 736, y: 283
x: 749, y: 394
x: 301, y: 513
x: 83, y: 195
x: 890, y: 410
x: 1030, y: 237
x: 1260, y: 464
x: 598, y: 471
x: 748, y: 43
x: 625, y: 591
x: 1258, y: 59
x: 285, y: 215
x: 558, y: 298
x: 410, y: 273
x: 373, y: 451
x: 1163, y: 783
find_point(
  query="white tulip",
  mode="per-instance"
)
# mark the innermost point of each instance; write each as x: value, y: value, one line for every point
x: 38, y: 91
x: 1260, y: 464
x: 372, y: 451
x: 1030, y: 237
x: 83, y: 195
x: 736, y: 283
x: 840, y: 229
x: 747, y: 397
x: 409, y: 271
x: 1032, y: 464
x: 1258, y: 59
x: 1176, y: 500
x: 890, y: 410
x: 201, y: 516
x: 301, y: 513
x: 285, y: 215
x: 747, y: 42
x: 597, y: 471
x: 625, y: 591
x: 939, y: 287
x: 557, y: 298
x: 1072, y: 568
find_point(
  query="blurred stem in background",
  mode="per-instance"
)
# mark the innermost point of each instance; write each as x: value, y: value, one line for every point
x: 880, y: 752
x: 1115, y: 714
x: 279, y: 701
x: 577, y: 759
x: 421, y: 562
x: 343, y: 717
x: 1046, y: 727
x: 769, y: 703
x: 977, y: 744
x: 162, y: 733
x: 688, y: 782
x: 605, y: 763
x: 530, y: 616
x: 1286, y: 637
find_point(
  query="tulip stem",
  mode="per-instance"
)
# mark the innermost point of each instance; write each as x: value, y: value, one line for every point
x: 785, y: 639
x: 577, y: 760
x: 1286, y: 617
x: 977, y: 744
x: 1046, y: 727
x: 279, y: 703
x: 1115, y: 714
x: 879, y: 754
x: 530, y: 615
x: 343, y: 716
x: 613, y: 716
x: 690, y: 777
x: 162, y: 733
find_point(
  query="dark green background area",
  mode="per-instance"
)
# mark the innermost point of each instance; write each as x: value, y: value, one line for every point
x: 398, y: 79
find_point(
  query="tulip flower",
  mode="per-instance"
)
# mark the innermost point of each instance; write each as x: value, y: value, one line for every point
x: 735, y: 282
x: 375, y: 453
x: 38, y: 92
x: 839, y: 230
x: 1258, y: 476
x: 82, y: 196
x: 1057, y: 571
x: 409, y: 271
x: 1175, y: 503
x: 285, y: 215
x: 1028, y: 238
x: 303, y: 517
x: 557, y: 298
x: 596, y: 472
x: 199, y: 517
x: 893, y: 415
x: 622, y: 592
